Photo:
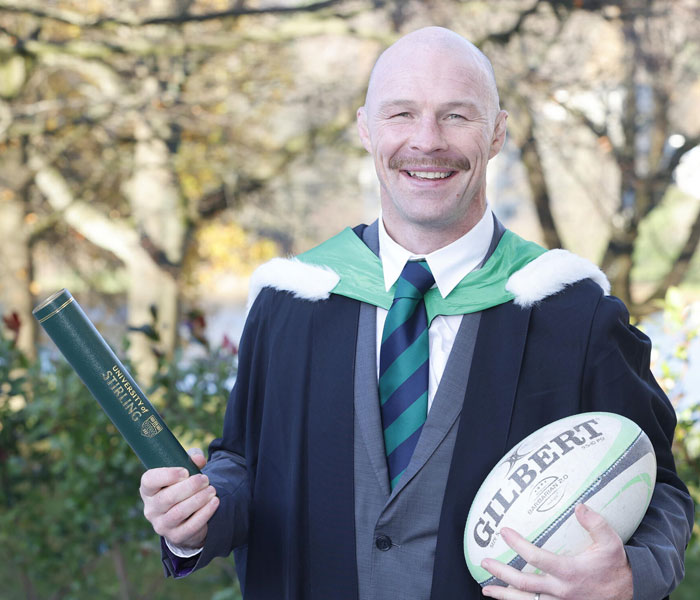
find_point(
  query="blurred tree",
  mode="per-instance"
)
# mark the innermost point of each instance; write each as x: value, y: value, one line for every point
x: 127, y: 129
x: 629, y: 86
x: 16, y: 266
x: 659, y: 69
x: 104, y: 100
x: 138, y: 121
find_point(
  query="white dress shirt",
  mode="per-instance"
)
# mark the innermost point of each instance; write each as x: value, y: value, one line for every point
x: 449, y: 265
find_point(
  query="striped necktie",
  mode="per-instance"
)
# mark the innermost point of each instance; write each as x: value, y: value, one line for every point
x: 403, y: 368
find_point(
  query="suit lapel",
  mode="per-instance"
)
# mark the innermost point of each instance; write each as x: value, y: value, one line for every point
x: 366, y: 392
x: 481, y: 438
x: 367, y: 396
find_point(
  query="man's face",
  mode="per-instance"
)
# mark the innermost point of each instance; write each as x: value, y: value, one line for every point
x: 431, y: 129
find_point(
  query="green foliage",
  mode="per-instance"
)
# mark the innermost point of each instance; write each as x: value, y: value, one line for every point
x: 673, y: 367
x: 71, y: 524
x: 688, y: 589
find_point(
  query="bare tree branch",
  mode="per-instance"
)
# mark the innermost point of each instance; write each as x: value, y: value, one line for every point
x: 583, y: 118
x: 73, y: 18
x: 111, y: 234
x: 143, y: 47
x: 503, y: 37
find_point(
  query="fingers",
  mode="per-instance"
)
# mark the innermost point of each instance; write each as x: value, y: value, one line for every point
x: 170, y: 495
x: 178, y: 511
x: 177, y: 505
x: 185, y: 524
x: 598, y: 528
x: 153, y: 480
x: 510, y: 593
x: 182, y: 511
x: 526, y: 582
x: 525, y: 585
x: 566, y: 576
x: 197, y: 457
x: 541, y: 559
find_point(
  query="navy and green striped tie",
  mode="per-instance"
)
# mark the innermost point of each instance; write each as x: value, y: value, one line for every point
x: 403, y: 368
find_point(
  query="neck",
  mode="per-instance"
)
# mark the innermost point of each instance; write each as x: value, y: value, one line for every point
x: 420, y: 238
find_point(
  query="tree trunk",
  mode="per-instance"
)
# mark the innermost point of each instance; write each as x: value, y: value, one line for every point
x: 16, y: 267
x: 121, y: 572
x: 29, y: 590
x: 618, y: 265
x: 152, y: 302
x: 617, y: 260
x: 534, y: 169
x: 157, y: 209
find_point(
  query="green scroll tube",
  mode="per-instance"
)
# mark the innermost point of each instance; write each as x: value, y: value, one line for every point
x: 110, y: 383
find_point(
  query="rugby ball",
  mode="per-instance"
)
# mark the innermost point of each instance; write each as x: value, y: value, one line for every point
x: 602, y: 459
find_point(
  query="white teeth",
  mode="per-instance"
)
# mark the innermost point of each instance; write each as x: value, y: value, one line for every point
x: 430, y: 174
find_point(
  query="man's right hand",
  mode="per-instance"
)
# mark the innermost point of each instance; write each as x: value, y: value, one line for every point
x: 177, y: 505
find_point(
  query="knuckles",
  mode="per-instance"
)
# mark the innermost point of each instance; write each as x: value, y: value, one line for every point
x: 173, y: 513
x: 166, y: 498
x: 572, y: 577
x: 148, y: 512
x: 160, y: 528
x: 177, y: 514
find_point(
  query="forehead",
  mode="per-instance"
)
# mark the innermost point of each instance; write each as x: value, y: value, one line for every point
x: 428, y: 76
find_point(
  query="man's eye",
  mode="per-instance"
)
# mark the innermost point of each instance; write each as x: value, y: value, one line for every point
x: 401, y: 115
x: 455, y: 116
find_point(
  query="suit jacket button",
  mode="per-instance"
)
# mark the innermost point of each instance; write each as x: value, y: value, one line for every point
x: 383, y: 542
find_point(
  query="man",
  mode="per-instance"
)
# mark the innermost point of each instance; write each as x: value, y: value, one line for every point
x: 357, y: 434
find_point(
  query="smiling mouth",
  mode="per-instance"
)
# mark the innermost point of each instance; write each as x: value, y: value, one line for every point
x: 429, y: 169
x: 430, y: 174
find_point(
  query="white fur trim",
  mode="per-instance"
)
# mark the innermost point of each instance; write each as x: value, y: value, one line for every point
x: 545, y: 276
x: 550, y: 273
x: 310, y: 282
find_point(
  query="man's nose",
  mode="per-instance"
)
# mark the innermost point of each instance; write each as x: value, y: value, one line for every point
x: 428, y: 136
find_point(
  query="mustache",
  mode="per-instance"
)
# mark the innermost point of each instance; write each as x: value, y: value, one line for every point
x: 403, y: 163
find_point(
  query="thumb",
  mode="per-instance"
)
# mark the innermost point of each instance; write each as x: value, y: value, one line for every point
x: 197, y: 457
x: 599, y: 529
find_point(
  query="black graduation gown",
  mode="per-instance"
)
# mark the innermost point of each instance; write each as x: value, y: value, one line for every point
x: 287, y: 498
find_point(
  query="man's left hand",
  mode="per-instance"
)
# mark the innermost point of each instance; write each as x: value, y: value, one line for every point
x: 601, y: 572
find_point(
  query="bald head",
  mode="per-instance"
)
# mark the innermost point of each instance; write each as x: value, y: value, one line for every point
x: 436, y: 41
x: 431, y: 122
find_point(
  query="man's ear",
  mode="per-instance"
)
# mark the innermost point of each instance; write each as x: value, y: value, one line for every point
x: 499, y: 134
x: 363, y: 129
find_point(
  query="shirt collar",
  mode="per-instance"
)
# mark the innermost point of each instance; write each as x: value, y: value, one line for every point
x: 449, y: 264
